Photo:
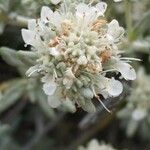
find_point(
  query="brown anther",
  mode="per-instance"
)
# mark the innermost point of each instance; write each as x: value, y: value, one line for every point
x: 98, y: 24
x: 93, y: 68
x: 66, y: 27
x: 105, y: 56
x: 54, y: 42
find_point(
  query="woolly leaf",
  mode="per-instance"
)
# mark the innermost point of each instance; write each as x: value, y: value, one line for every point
x: 43, y: 103
x: 12, y: 93
x: 10, y: 56
x: 27, y: 57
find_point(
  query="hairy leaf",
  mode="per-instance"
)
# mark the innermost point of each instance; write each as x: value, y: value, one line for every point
x: 11, y: 94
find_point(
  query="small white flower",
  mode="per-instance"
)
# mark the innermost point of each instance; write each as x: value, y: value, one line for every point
x: 101, y: 7
x: 56, y: 19
x: 126, y: 70
x: 32, y: 24
x: 83, y: 11
x: 29, y: 36
x: 46, y: 14
x: 115, y: 32
x: 49, y: 86
x: 115, y: 87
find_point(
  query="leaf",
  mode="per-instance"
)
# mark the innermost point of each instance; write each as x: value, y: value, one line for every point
x: 89, y: 106
x: 10, y: 56
x: 14, y: 91
x: 27, y: 57
x: 43, y: 103
x: 68, y: 105
x: 2, y: 26
x: 31, y: 90
x: 143, y: 23
x: 15, y: 58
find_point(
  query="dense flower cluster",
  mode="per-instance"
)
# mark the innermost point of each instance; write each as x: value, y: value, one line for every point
x: 75, y: 50
x: 94, y: 145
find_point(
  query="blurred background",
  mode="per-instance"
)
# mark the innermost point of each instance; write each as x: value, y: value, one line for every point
x: 28, y: 123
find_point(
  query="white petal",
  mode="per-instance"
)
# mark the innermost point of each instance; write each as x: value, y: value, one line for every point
x: 28, y: 36
x: 46, y: 14
x: 49, y: 87
x: 115, y: 30
x: 101, y: 7
x: 53, y: 101
x: 81, y: 9
x: 54, y: 52
x: 32, y: 24
x: 115, y: 87
x: 113, y: 24
x: 126, y: 70
x: 57, y: 19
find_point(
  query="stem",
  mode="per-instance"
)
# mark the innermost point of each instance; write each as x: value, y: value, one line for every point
x: 128, y: 17
x: 14, y: 19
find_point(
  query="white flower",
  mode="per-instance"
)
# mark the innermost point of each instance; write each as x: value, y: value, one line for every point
x: 74, y: 49
x: 49, y: 85
x: 95, y: 145
x: 29, y: 36
x: 32, y: 24
x: 115, y: 87
x: 115, y: 32
x: 88, y: 13
x: 46, y: 14
x: 126, y: 70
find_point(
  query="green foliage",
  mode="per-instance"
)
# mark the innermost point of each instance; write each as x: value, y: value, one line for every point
x: 10, y: 95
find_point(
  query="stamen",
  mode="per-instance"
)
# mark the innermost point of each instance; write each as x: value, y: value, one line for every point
x: 103, y: 105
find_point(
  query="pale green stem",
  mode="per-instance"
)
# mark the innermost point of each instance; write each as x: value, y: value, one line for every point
x: 14, y: 19
x: 128, y: 16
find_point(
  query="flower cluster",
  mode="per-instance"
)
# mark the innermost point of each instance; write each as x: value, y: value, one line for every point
x: 138, y: 107
x: 94, y: 145
x: 75, y: 50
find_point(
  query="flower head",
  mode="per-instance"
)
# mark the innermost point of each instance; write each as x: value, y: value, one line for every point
x: 75, y: 49
x: 94, y: 145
